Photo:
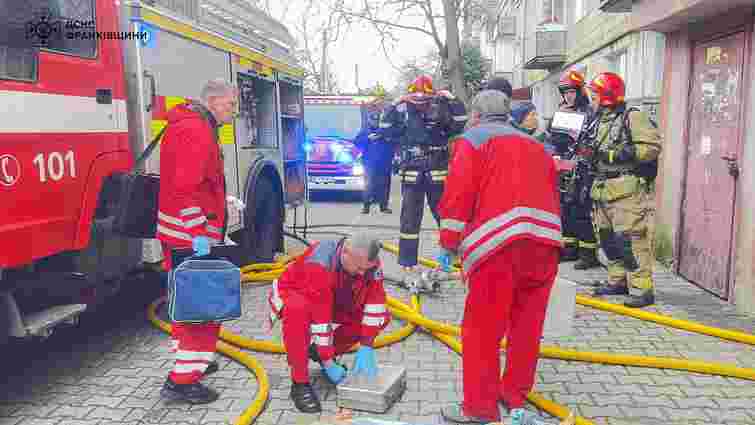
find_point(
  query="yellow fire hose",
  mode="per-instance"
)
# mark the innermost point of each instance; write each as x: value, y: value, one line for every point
x: 264, y: 273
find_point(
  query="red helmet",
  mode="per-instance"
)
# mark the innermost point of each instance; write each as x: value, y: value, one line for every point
x: 422, y: 84
x: 609, y: 88
x: 571, y: 80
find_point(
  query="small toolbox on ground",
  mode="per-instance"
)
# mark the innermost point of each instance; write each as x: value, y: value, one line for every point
x: 376, y: 394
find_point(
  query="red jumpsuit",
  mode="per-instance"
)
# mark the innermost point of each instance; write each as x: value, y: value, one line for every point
x: 192, y: 203
x: 321, y: 303
x: 500, y: 211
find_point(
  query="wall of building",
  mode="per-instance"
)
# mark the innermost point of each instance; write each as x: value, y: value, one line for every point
x: 670, y: 185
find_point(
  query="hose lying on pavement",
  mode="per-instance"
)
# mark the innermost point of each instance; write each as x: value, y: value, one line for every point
x: 259, y: 274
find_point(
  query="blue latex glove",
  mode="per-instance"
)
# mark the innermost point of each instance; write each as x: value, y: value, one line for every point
x: 446, y: 260
x: 201, y: 245
x: 365, y: 362
x: 335, y: 373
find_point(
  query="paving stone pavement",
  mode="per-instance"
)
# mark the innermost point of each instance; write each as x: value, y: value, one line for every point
x: 115, y: 377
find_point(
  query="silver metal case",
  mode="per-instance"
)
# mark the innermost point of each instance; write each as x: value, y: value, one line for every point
x: 375, y: 395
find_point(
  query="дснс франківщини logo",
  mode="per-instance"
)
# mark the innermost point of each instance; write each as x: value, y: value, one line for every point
x: 46, y: 27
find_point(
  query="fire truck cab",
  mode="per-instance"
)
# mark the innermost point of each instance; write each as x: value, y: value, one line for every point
x: 85, y: 85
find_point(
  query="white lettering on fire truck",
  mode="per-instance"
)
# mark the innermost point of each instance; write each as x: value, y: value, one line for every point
x: 108, y: 35
x: 55, y: 165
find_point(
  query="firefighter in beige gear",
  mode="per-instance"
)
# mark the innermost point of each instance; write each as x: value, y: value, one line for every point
x: 627, y: 147
x: 192, y: 213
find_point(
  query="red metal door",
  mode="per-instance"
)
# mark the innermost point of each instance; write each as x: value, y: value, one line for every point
x: 712, y: 147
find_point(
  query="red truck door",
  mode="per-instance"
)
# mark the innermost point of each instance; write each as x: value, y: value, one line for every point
x: 62, y: 109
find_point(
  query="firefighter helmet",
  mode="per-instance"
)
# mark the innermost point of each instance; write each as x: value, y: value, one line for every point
x: 571, y: 80
x: 422, y: 84
x: 609, y: 89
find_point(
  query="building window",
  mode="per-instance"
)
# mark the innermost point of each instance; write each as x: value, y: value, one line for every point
x: 553, y: 11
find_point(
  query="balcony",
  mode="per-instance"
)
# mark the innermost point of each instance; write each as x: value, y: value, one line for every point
x: 545, y: 48
x: 616, y: 6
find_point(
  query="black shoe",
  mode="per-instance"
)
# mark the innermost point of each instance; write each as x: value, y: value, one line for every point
x: 587, y: 259
x: 386, y: 210
x: 366, y: 209
x: 195, y: 393
x: 212, y: 367
x: 638, y: 301
x: 568, y: 253
x: 305, y: 399
x: 611, y: 289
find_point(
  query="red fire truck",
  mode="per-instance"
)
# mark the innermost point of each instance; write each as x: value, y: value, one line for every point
x: 84, y: 87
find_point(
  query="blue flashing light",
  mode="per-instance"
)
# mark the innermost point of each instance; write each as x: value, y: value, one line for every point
x: 307, y: 147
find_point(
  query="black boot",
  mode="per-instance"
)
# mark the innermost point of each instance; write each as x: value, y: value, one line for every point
x: 643, y: 300
x: 366, y: 209
x: 587, y: 259
x: 384, y: 209
x: 212, y: 367
x: 305, y: 399
x: 611, y: 289
x: 195, y: 393
x: 568, y: 253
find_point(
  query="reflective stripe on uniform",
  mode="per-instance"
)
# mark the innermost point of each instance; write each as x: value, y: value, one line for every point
x: 451, y: 224
x: 408, y: 236
x: 169, y: 219
x: 275, y: 298
x: 502, y: 220
x: 189, y: 367
x: 320, y: 328
x: 173, y: 233
x: 386, y: 125
x: 213, y: 229
x: 194, y: 222
x: 374, y: 308
x: 460, y: 118
x: 372, y: 321
x: 195, y: 356
x: 189, y: 211
x: 518, y: 229
x: 322, y: 341
x: 588, y: 245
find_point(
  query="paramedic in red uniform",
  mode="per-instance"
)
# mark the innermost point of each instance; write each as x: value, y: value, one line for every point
x: 500, y: 213
x: 329, y: 299
x: 192, y: 213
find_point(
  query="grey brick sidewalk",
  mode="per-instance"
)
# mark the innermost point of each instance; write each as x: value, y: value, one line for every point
x: 116, y: 378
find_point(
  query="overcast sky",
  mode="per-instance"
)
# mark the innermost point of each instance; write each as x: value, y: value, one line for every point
x: 361, y: 45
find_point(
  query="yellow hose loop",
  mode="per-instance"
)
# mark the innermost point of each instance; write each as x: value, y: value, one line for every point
x: 668, y: 321
x: 695, y: 327
x: 258, y: 404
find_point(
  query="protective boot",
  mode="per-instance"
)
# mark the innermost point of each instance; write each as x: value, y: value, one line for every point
x: 643, y: 300
x: 212, y: 367
x: 612, y: 289
x: 305, y: 399
x: 385, y: 209
x: 366, y: 208
x: 568, y: 253
x: 587, y: 259
x: 195, y: 393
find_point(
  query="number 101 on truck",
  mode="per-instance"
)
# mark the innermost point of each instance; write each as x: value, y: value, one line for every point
x: 85, y: 86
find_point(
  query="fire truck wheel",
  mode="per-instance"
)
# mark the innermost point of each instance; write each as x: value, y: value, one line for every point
x: 267, y: 225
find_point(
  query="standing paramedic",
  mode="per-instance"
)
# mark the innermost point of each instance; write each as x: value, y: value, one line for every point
x: 500, y: 212
x: 329, y: 299
x: 192, y: 213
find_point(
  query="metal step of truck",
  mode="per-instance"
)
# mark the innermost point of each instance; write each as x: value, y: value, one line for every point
x: 39, y: 324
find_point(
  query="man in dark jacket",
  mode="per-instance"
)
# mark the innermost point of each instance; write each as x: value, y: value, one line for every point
x: 377, y: 151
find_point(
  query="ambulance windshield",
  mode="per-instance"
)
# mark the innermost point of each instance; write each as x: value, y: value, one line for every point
x: 343, y: 121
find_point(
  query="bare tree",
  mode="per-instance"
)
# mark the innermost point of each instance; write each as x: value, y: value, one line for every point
x: 386, y: 17
x: 316, y: 29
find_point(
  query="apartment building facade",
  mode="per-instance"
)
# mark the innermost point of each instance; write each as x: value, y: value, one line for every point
x: 688, y: 63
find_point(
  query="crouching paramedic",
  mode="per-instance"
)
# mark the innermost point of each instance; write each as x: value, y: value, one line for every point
x: 500, y: 213
x: 329, y: 299
x: 192, y: 212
